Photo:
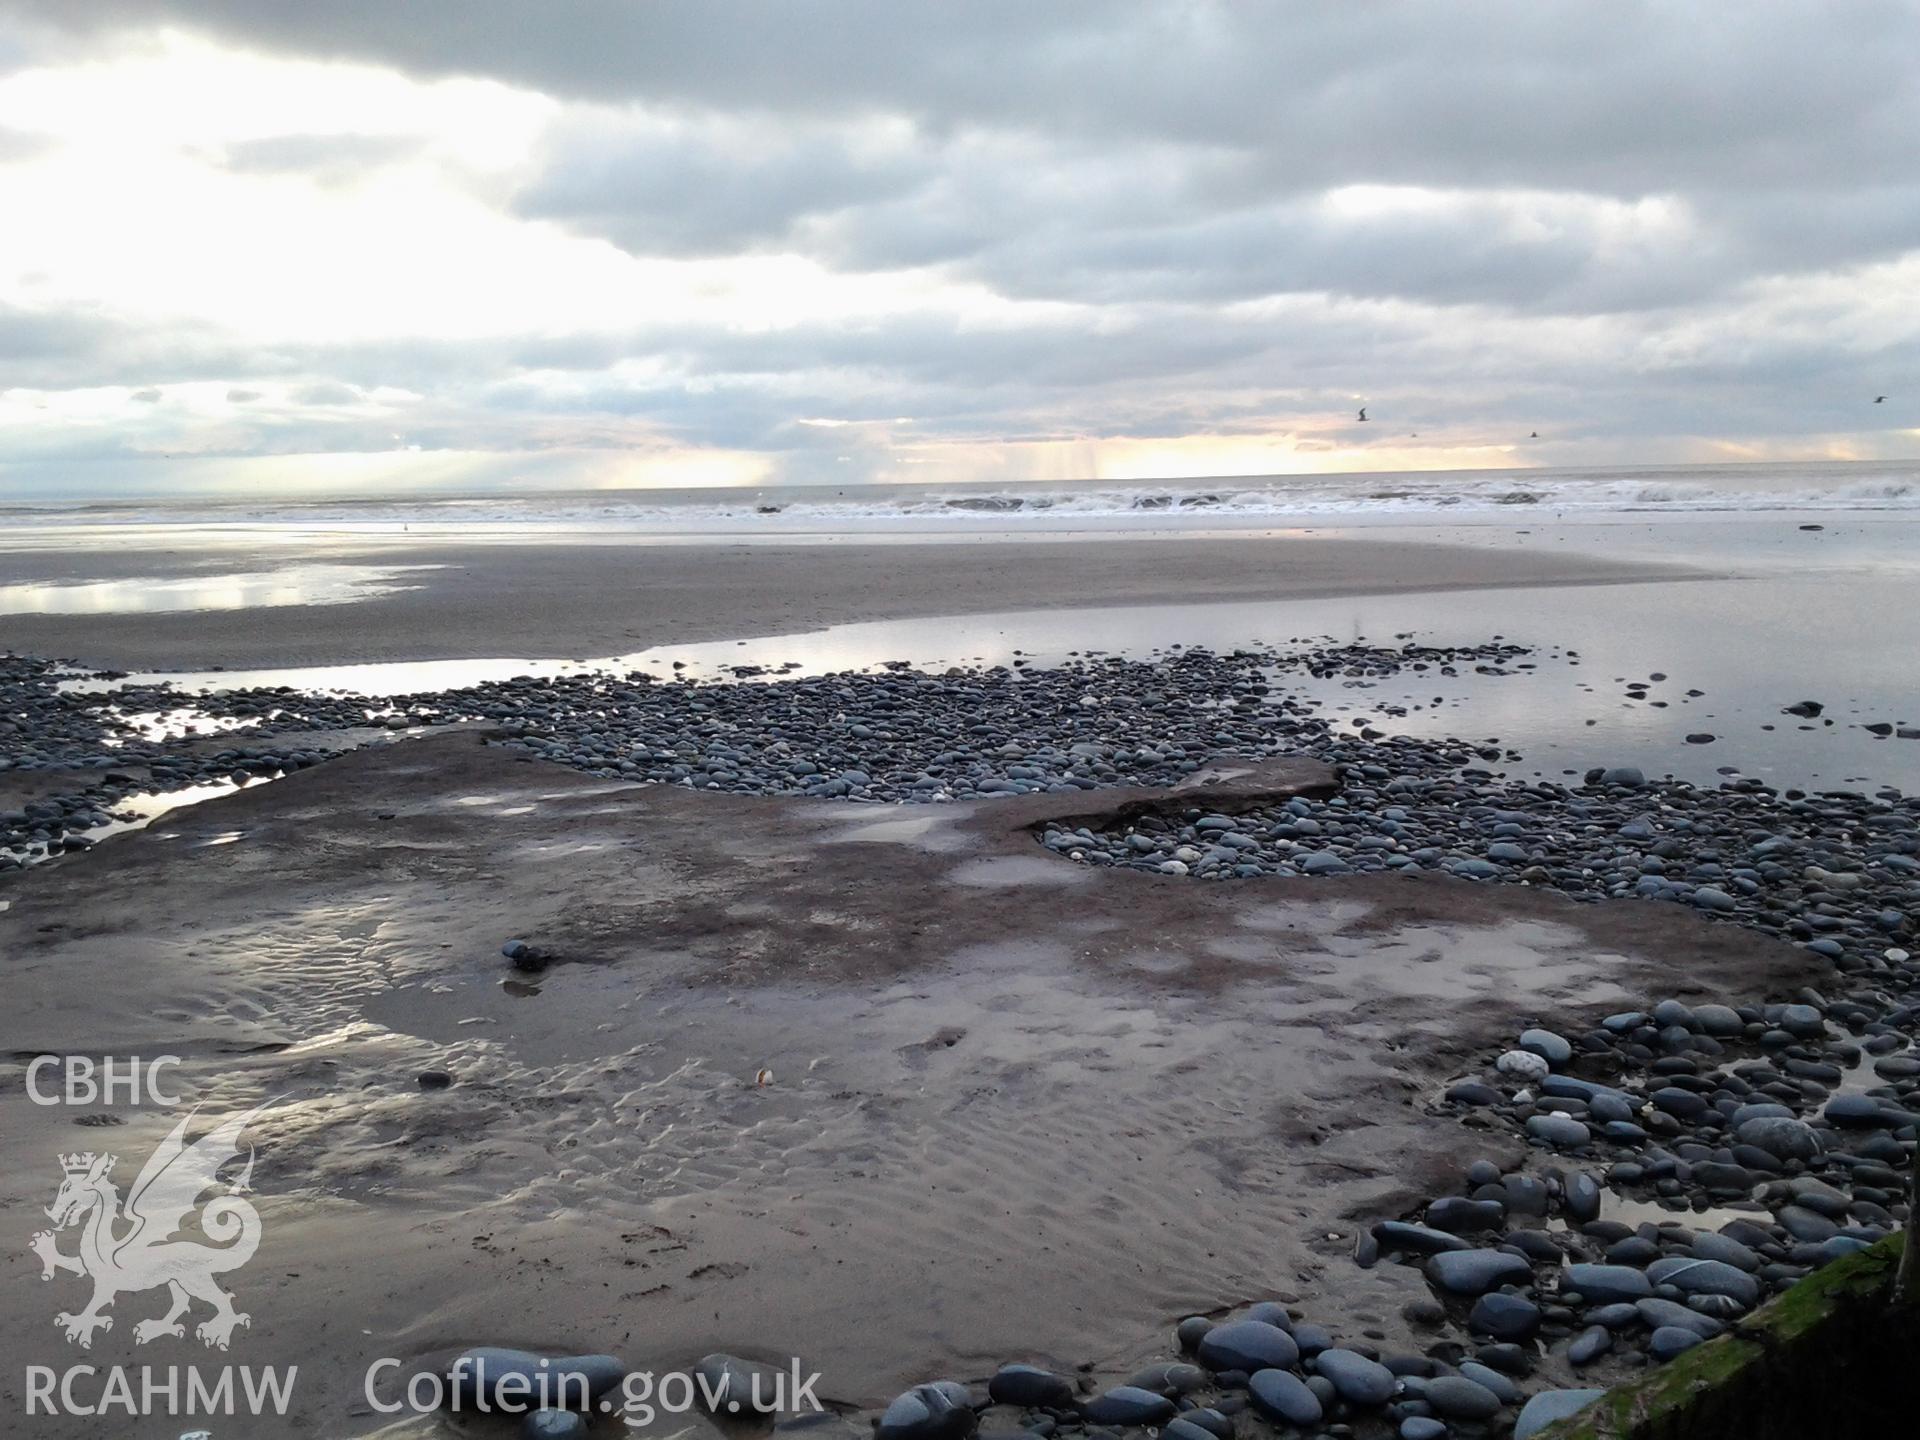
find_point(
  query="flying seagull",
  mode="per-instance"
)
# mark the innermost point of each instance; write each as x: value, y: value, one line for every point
x: 1534, y: 436
x: 1363, y: 412
x: 1878, y: 400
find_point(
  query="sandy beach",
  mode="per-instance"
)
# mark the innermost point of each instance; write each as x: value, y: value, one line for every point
x: 584, y: 600
x: 804, y: 1070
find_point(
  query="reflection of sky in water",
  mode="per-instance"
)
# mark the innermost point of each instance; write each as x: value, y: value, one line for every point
x: 135, y: 812
x: 1829, y: 616
x: 177, y: 723
x: 287, y: 585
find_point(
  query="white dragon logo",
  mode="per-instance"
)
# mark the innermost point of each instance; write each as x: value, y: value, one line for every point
x: 131, y: 1249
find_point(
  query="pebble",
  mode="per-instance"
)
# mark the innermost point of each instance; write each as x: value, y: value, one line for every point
x: 1523, y: 1065
x: 1779, y: 1137
x: 1029, y: 1386
x: 1214, y: 1421
x: 1458, y: 1215
x: 1189, y: 1332
x: 1128, y: 1405
x: 1474, y: 1272
x: 938, y: 1410
x: 1607, y: 1284
x: 1272, y: 1312
x: 1581, y: 1197
x: 1458, y: 1398
x: 1419, y: 1239
x: 1726, y: 1250
x: 1589, y: 1345
x: 1171, y: 1379
x: 1860, y: 1112
x: 1504, y: 1317
x: 1720, y: 1020
x: 1669, y: 1340
x: 1185, y: 1427
x: 1282, y: 1395
x: 1551, y: 1048
x: 1705, y: 1277
x: 491, y: 1375
x: 553, y: 1425
x: 1551, y: 1405
x: 1656, y: 1313
x: 1492, y: 1381
x: 1247, y: 1345
x: 1358, y: 1380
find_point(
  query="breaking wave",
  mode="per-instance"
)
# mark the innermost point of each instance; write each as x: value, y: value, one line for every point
x: 1732, y: 489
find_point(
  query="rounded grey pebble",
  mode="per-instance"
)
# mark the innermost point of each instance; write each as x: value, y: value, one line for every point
x: 1474, y: 1272
x: 1247, y: 1345
x: 1128, y: 1405
x: 1029, y: 1386
x: 938, y: 1410
x: 1282, y: 1395
x: 1589, y: 1345
x: 1504, y: 1317
x: 1457, y: 1398
x: 1359, y: 1380
x: 1551, y: 1405
x: 1190, y: 1331
x: 1670, y: 1340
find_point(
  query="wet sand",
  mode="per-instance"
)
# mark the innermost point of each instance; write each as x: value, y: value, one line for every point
x: 1020, y: 1110
x: 579, y: 601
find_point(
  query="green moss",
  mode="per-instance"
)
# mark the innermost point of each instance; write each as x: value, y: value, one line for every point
x: 1858, y: 1277
x: 1722, y: 1386
x: 1682, y: 1385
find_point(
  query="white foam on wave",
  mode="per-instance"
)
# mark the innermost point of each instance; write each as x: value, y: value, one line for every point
x: 1177, y: 503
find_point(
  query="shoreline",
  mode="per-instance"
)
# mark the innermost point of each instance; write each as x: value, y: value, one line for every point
x: 535, y: 601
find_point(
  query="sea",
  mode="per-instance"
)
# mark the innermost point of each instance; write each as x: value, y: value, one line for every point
x: 1227, y: 504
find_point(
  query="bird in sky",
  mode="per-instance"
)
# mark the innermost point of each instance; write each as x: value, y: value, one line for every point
x: 1534, y: 436
x: 1878, y: 400
x: 1363, y: 412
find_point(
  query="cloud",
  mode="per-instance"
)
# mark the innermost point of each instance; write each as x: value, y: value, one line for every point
x: 1542, y: 96
x: 327, y: 158
x: 21, y: 145
x: 1019, y: 233
x: 666, y: 186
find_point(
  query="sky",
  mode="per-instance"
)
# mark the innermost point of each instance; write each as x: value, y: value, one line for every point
x: 346, y: 246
